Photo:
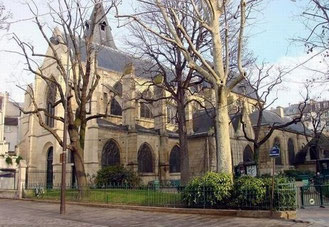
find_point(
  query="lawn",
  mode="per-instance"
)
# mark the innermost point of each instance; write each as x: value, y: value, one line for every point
x: 148, y: 197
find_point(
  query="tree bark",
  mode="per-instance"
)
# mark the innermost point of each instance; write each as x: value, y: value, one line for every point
x: 223, y: 148
x: 182, y: 131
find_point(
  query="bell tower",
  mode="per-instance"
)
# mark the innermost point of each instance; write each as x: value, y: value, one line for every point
x: 98, y: 23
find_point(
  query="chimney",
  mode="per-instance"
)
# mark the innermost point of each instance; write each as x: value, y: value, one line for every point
x: 279, y: 111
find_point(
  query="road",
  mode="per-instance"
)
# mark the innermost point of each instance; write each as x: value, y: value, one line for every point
x: 27, y: 213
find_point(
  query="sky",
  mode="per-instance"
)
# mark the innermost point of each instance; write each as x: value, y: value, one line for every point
x: 269, y: 33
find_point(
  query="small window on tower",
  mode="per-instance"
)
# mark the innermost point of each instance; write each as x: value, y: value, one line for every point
x: 87, y: 26
x: 103, y: 25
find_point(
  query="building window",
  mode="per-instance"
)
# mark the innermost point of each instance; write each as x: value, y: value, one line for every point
x: 171, y: 114
x: 103, y: 25
x: 326, y: 154
x: 145, y: 111
x: 110, y: 154
x: 87, y: 26
x: 174, y: 160
x: 278, y: 160
x: 116, y: 108
x: 291, y: 152
x: 49, y: 177
x: 313, y: 152
x: 118, y: 89
x: 145, y: 159
x: 51, y: 99
x: 248, y: 154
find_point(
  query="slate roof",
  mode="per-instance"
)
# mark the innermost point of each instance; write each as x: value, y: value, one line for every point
x: 203, y: 121
x: 243, y: 88
x: 270, y: 118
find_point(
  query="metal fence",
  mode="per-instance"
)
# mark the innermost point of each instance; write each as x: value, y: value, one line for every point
x: 169, y: 196
x: 314, y: 195
x: 48, y: 179
x: 8, y: 180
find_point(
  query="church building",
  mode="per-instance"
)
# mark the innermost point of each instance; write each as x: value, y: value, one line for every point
x: 139, y: 135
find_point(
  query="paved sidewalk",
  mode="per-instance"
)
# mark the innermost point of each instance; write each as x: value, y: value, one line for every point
x: 316, y: 215
x: 27, y: 213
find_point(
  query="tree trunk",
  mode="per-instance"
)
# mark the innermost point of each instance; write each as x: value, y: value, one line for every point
x: 182, y: 131
x: 78, y: 161
x: 256, y: 158
x: 223, y: 148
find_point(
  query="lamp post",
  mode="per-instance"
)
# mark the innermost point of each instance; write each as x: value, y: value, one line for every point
x: 55, y: 41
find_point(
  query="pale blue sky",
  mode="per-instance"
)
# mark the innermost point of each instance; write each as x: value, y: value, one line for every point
x: 276, y: 24
x: 270, y: 33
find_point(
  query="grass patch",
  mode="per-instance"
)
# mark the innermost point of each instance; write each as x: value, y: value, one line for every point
x: 144, y: 197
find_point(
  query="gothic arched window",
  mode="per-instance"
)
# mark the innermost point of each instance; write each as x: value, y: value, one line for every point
x: 118, y: 89
x: 110, y: 154
x: 50, y: 157
x: 291, y: 151
x: 50, y: 102
x: 145, y: 111
x: 248, y: 155
x: 174, y: 160
x: 116, y: 108
x: 103, y: 25
x: 171, y: 114
x: 278, y: 160
x: 145, y: 159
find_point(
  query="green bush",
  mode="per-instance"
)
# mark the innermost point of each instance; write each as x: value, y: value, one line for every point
x: 210, y: 190
x: 116, y: 176
x: 248, y: 192
x: 298, y: 174
x: 284, y: 192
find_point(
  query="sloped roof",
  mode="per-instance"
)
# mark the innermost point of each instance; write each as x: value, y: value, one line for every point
x: 271, y: 118
x: 204, y: 120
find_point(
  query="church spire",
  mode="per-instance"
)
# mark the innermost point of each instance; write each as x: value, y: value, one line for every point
x: 102, y: 31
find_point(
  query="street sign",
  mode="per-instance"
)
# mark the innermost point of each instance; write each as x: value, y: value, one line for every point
x: 275, y: 152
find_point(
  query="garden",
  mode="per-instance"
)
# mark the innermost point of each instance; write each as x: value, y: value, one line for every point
x: 117, y: 185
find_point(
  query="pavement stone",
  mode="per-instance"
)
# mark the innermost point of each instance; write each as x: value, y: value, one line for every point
x: 316, y: 215
x: 28, y: 213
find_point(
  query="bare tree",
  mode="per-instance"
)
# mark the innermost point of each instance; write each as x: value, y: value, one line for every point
x: 314, y: 124
x: 75, y: 40
x: 264, y: 85
x: 315, y: 19
x: 4, y: 16
x: 214, y: 64
x: 171, y: 66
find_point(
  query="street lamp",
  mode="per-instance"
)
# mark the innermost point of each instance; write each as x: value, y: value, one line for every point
x: 55, y: 41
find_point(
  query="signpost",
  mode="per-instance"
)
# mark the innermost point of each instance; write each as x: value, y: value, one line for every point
x: 274, y: 153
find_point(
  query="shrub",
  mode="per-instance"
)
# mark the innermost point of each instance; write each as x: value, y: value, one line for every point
x: 299, y: 174
x: 116, y: 175
x: 210, y: 190
x: 284, y: 192
x: 249, y: 191
x: 18, y: 159
x: 9, y: 160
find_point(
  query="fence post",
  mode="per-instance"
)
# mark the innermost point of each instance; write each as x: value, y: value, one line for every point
x: 21, y: 178
x: 302, y: 196
x: 321, y: 196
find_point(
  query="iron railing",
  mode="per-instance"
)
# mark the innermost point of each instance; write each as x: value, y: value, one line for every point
x: 167, y: 196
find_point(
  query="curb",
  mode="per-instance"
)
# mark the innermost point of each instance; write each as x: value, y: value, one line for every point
x: 286, y: 215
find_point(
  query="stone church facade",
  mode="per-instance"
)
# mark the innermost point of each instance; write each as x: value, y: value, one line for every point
x: 136, y: 134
